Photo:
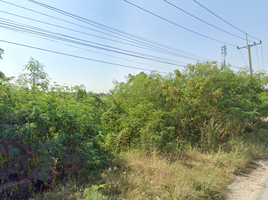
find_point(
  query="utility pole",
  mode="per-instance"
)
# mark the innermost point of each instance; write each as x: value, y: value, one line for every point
x: 223, y: 54
x: 249, y: 54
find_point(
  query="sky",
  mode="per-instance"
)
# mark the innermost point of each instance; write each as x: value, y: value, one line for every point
x: 168, y: 29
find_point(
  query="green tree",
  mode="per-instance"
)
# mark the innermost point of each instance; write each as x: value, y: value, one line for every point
x: 36, y: 77
x: 2, y: 75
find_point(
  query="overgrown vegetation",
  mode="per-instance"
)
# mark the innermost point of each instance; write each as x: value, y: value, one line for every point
x: 180, y: 136
x: 204, y: 106
x: 48, y: 132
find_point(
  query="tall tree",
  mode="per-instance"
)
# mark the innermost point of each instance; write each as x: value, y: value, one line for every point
x: 36, y: 77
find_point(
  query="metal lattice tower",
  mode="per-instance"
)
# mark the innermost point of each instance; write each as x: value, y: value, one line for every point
x: 223, y: 53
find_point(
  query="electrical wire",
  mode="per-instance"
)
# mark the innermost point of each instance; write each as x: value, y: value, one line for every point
x: 242, y: 57
x: 142, y: 56
x: 138, y: 40
x: 43, y: 37
x: 96, y: 24
x: 89, y: 58
x: 203, y: 20
x: 104, y: 54
x: 158, y: 16
x: 139, y: 46
x: 66, y: 21
x: 262, y: 56
x: 57, y: 38
x: 223, y: 19
x: 75, y: 56
x: 258, y: 57
x: 52, y: 40
x: 235, y: 67
x: 107, y: 46
x: 100, y: 25
x: 157, y: 49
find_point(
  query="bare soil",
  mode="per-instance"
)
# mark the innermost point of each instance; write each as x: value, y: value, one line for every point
x: 244, y: 185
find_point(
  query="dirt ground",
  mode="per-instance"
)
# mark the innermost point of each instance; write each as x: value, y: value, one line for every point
x: 244, y: 185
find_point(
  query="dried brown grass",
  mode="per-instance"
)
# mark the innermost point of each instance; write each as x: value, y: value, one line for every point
x: 193, y: 174
x: 141, y: 175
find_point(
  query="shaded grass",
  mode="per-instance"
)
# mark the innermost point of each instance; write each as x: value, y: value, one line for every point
x: 194, y: 173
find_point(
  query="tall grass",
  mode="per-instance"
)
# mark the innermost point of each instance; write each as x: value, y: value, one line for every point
x: 193, y: 173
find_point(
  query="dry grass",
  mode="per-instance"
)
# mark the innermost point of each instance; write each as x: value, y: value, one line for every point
x: 141, y: 175
x: 193, y: 175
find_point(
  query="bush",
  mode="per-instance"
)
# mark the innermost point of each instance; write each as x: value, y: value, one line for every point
x: 47, y: 136
x: 154, y: 110
x: 45, y: 162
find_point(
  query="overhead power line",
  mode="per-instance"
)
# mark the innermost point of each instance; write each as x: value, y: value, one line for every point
x: 262, y: 56
x: 249, y: 53
x: 109, y: 29
x: 123, y: 52
x: 203, y: 20
x: 223, y: 19
x: 155, y: 43
x: 127, y: 37
x: 52, y: 40
x: 235, y: 67
x: 75, y: 56
x: 158, y: 16
x: 258, y: 58
x: 157, y: 50
x: 242, y: 57
x: 66, y: 21
x: 58, y: 26
x: 104, y: 27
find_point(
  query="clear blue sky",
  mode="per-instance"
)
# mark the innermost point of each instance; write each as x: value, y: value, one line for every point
x: 249, y: 16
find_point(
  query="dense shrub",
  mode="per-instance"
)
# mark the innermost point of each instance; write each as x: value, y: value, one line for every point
x: 160, y: 111
x: 48, y: 133
x: 45, y: 162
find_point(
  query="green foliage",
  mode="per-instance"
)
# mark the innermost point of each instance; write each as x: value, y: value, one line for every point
x: 39, y: 160
x: 48, y: 131
x: 2, y: 75
x: 159, y: 111
x: 36, y: 77
x: 93, y: 194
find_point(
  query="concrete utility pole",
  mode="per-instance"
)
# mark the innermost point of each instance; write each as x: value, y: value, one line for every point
x: 249, y: 54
